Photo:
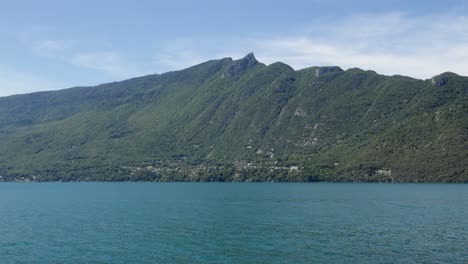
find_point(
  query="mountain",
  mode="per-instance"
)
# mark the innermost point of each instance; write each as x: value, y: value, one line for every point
x: 241, y: 120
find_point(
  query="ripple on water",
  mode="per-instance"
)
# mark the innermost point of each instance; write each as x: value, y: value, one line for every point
x: 233, y: 223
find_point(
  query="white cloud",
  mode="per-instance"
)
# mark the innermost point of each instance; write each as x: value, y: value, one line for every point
x: 389, y: 43
x: 48, y: 47
x: 17, y: 82
x: 181, y: 53
x: 72, y: 52
x: 178, y: 60
x: 109, y: 62
x: 36, y: 41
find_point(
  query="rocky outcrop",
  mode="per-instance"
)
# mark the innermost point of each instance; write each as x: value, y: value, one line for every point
x: 323, y: 70
x: 242, y: 65
x: 442, y: 79
x: 439, y: 80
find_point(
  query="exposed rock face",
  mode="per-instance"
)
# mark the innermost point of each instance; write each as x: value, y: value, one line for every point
x: 442, y: 79
x: 323, y: 70
x: 439, y: 80
x: 242, y: 65
x: 385, y: 172
x: 300, y: 112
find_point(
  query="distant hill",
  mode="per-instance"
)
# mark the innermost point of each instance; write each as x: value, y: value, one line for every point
x: 240, y: 120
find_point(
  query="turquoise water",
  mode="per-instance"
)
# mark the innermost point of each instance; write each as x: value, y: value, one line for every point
x: 233, y: 223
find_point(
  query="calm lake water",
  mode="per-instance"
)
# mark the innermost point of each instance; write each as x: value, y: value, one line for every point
x: 233, y: 223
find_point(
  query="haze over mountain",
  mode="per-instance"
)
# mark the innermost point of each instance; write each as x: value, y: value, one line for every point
x: 241, y: 120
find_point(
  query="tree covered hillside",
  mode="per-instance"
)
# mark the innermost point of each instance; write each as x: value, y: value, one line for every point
x: 240, y: 120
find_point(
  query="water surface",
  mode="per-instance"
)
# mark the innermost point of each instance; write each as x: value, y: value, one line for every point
x: 233, y: 223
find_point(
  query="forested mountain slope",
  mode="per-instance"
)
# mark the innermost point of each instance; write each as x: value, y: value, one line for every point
x: 238, y: 120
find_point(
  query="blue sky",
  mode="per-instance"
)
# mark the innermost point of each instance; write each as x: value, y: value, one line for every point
x: 46, y: 45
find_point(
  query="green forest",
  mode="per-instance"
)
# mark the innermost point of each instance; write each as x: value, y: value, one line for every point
x: 241, y: 120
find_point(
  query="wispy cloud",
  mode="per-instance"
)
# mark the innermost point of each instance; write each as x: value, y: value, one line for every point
x: 77, y: 53
x: 17, y: 82
x: 390, y: 43
x: 35, y: 39
x: 182, y: 53
x: 48, y: 47
x: 109, y: 62
x: 178, y: 60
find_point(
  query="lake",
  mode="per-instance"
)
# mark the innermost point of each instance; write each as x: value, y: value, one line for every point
x: 233, y: 223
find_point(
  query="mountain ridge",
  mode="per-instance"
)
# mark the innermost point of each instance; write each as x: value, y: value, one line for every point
x: 241, y: 120
x: 231, y: 59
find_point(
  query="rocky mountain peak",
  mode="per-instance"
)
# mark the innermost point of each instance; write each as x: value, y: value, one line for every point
x: 250, y: 58
x: 240, y: 66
